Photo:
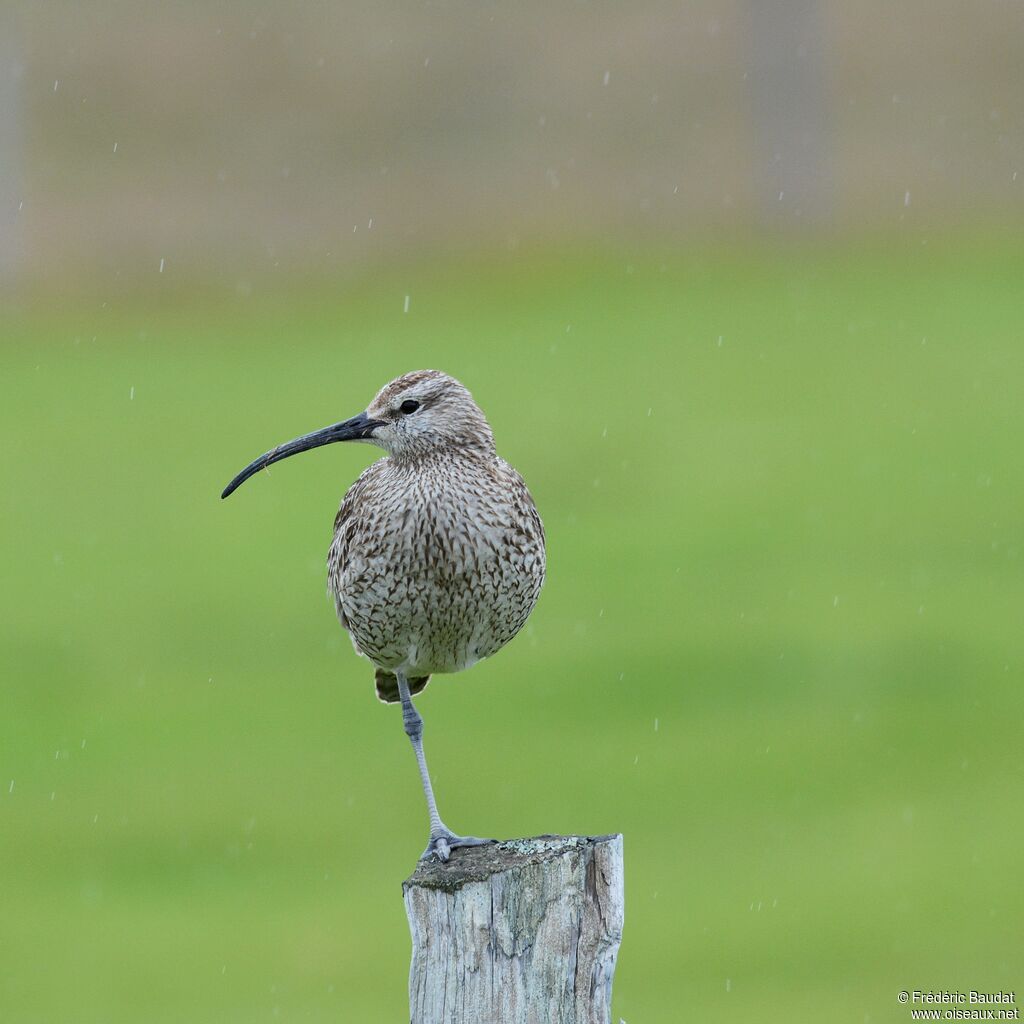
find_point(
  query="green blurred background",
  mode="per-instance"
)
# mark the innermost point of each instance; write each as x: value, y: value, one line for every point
x: 776, y: 441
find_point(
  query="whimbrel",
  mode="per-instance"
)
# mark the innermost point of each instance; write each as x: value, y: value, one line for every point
x: 438, y: 551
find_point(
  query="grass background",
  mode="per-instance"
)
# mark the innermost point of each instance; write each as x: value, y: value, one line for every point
x: 780, y: 646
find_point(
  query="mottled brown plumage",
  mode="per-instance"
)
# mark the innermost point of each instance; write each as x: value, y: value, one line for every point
x: 438, y: 551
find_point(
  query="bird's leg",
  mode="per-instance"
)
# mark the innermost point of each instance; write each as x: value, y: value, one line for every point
x: 413, y: 722
x: 442, y: 839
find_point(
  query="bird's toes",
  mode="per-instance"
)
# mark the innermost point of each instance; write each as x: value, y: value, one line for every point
x: 437, y: 847
x: 454, y: 841
x: 442, y: 844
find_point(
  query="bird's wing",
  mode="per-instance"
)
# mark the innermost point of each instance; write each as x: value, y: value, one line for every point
x: 346, y: 523
x: 523, y: 501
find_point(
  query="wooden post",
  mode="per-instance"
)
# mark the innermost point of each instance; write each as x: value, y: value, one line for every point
x: 522, y: 932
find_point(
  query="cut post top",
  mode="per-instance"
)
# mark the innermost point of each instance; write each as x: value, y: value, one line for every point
x: 478, y: 863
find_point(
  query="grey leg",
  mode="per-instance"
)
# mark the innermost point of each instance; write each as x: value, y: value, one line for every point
x: 442, y: 839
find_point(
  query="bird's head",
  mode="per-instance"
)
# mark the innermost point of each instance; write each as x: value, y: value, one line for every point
x: 426, y: 411
x: 416, y: 414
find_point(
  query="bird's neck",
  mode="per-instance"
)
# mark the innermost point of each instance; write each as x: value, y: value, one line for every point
x: 421, y: 455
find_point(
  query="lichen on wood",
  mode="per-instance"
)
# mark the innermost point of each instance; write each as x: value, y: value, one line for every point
x: 520, y: 932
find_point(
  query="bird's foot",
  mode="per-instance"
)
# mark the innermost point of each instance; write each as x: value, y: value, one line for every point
x: 442, y: 843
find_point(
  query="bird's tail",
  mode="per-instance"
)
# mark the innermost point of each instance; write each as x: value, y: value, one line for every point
x: 387, y: 686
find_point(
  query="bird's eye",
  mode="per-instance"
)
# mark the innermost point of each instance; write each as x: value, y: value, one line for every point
x: 408, y: 406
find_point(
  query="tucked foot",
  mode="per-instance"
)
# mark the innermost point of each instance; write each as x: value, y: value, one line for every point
x: 442, y: 844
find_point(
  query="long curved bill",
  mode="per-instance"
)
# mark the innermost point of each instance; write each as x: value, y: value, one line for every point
x: 359, y: 428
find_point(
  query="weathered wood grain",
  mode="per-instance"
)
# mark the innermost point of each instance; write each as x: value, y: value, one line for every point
x: 522, y: 932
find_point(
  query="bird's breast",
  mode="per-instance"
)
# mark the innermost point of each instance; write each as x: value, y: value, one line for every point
x: 433, y: 577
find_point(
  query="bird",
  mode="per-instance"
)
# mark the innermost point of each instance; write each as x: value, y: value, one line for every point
x: 438, y: 555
